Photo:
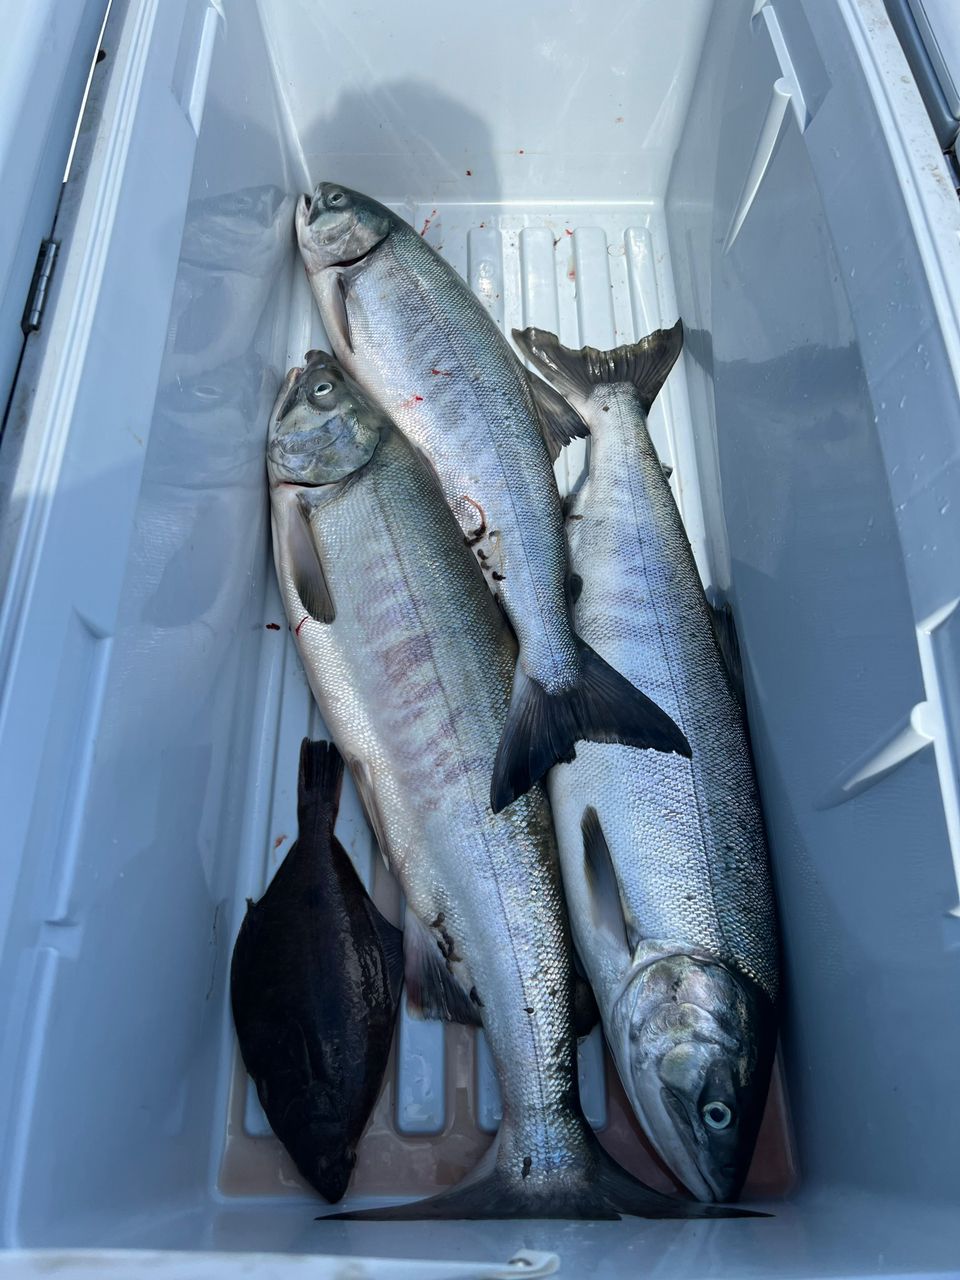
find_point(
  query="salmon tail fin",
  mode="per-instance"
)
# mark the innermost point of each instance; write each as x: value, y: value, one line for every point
x: 645, y: 364
x: 542, y: 728
x: 319, y: 783
x: 596, y: 1187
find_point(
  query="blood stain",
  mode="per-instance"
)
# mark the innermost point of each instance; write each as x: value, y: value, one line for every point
x: 469, y: 173
x: 300, y: 623
x: 279, y: 841
x: 427, y: 221
x: 273, y: 626
x: 442, y: 373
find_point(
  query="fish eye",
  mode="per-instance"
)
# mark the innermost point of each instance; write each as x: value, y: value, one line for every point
x: 717, y: 1115
x: 323, y: 388
x: 336, y: 197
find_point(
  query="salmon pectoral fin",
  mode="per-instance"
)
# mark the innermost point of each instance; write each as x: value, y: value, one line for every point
x: 542, y: 728
x: 433, y: 990
x: 559, y: 421
x: 645, y: 364
x: 608, y: 910
x: 305, y: 566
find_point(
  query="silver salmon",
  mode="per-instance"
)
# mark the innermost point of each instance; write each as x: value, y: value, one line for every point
x: 406, y: 326
x: 664, y: 860
x: 410, y: 661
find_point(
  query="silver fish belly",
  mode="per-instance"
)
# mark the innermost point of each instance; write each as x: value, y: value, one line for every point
x: 664, y: 859
x: 407, y: 327
x: 411, y: 670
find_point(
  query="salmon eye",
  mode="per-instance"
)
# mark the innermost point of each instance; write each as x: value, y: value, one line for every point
x: 717, y: 1115
x: 323, y: 388
x: 336, y: 197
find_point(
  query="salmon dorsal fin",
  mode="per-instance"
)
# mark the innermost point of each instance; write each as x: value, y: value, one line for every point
x: 610, y: 912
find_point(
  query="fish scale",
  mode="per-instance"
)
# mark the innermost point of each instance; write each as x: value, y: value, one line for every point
x: 406, y: 326
x: 698, y: 871
x: 437, y: 611
x: 494, y: 457
x: 486, y: 935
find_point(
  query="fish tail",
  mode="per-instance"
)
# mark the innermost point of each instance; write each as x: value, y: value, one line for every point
x: 542, y: 728
x: 645, y: 363
x: 319, y: 783
x: 594, y: 1187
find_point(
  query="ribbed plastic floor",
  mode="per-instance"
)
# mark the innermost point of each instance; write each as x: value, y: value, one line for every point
x: 599, y: 276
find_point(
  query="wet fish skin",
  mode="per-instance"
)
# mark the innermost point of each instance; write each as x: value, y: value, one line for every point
x: 315, y: 982
x: 664, y: 860
x: 405, y: 325
x: 412, y: 673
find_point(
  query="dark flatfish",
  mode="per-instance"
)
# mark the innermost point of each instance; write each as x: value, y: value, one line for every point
x: 314, y: 984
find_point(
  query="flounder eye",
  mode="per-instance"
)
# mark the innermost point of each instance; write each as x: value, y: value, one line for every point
x: 717, y: 1115
x: 323, y: 388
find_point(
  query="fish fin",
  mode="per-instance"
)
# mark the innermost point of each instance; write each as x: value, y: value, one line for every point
x: 574, y: 588
x: 666, y: 469
x: 391, y: 943
x: 368, y: 798
x: 645, y: 363
x: 336, y: 314
x: 597, y: 1188
x: 432, y: 990
x: 728, y: 642
x: 559, y: 421
x: 607, y: 907
x: 542, y: 728
x: 586, y: 1015
x: 305, y: 565
x: 319, y: 783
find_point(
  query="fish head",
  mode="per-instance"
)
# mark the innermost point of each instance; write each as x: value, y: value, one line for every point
x: 694, y: 1046
x: 338, y: 227
x: 323, y: 428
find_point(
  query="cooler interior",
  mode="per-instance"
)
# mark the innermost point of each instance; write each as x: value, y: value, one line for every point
x: 595, y: 170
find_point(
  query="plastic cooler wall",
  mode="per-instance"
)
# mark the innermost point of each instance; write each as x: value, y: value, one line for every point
x: 536, y: 148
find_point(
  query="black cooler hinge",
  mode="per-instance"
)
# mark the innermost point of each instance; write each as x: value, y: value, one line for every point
x: 37, y: 297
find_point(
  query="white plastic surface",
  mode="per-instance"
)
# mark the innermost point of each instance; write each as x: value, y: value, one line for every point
x: 764, y: 169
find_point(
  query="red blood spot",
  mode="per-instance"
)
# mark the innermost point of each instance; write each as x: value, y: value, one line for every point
x: 572, y: 273
x: 469, y: 173
x: 482, y: 225
x: 568, y: 231
x: 442, y: 373
x: 427, y: 221
x: 279, y: 841
x: 300, y: 623
x: 619, y: 120
x: 520, y: 152
x: 273, y: 626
